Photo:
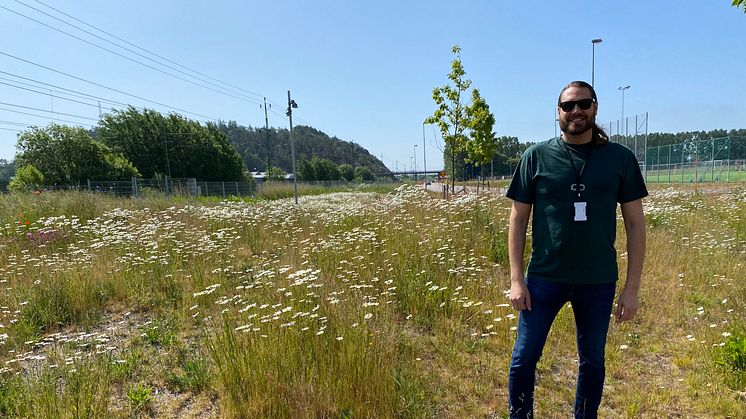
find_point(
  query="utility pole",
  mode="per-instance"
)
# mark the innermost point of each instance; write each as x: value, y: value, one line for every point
x: 424, y: 154
x: 623, y: 89
x: 415, y: 163
x: 593, y: 60
x: 289, y: 113
x: 266, y: 130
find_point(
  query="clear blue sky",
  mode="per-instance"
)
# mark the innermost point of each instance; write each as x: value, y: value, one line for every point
x: 364, y: 71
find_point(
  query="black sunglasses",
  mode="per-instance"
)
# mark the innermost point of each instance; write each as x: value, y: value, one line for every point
x: 568, y: 106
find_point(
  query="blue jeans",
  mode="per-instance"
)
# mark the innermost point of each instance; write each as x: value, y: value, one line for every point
x: 591, y: 305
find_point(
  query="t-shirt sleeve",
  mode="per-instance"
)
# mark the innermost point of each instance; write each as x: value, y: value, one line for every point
x: 522, y: 187
x: 633, y: 185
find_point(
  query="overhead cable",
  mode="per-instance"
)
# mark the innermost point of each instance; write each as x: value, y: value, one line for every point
x: 105, y: 87
x: 124, y: 56
x: 140, y: 48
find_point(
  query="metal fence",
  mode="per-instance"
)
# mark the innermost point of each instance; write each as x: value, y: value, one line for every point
x: 193, y: 187
x: 172, y: 186
x: 711, y: 160
x: 631, y: 131
x: 705, y: 160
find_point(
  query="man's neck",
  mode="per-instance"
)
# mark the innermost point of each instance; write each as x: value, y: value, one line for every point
x: 583, y: 138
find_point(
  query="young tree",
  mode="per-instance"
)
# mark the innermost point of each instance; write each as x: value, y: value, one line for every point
x: 451, y: 114
x: 324, y: 169
x: 305, y: 171
x: 27, y: 178
x: 275, y: 173
x: 363, y: 173
x: 481, y: 147
x: 347, y: 172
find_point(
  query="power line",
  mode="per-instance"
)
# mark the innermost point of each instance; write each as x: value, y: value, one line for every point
x: 27, y: 125
x: 49, y: 94
x: 124, y: 56
x: 141, y: 48
x: 104, y: 86
x: 125, y: 48
x: 80, y: 94
x: 18, y: 124
x: 43, y: 110
x: 47, y: 117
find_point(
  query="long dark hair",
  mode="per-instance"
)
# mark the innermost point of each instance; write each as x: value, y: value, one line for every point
x: 599, y: 136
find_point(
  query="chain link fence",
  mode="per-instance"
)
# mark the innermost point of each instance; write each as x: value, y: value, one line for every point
x: 711, y: 160
x: 698, y: 160
x: 631, y: 131
x: 172, y: 186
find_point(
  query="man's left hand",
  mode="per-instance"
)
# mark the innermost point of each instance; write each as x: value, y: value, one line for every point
x: 626, y: 305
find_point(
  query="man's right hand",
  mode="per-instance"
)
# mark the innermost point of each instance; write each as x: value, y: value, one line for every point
x: 519, y: 296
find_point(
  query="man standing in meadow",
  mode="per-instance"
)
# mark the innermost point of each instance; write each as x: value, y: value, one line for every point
x: 573, y: 184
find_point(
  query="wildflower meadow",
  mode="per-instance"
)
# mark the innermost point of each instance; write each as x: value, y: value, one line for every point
x: 349, y: 304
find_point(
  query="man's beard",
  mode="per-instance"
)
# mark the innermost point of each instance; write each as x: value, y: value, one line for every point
x: 577, y: 127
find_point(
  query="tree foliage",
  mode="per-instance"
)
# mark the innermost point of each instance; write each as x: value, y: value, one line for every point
x: 451, y: 114
x: 171, y: 145
x: 364, y: 174
x: 347, y: 172
x: 321, y: 170
x: 480, y: 149
x: 251, y: 144
x: 27, y: 178
x: 70, y: 156
x: 275, y: 173
x: 7, y: 170
x: 739, y: 3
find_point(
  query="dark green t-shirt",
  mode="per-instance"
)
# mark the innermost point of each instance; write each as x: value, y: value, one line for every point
x: 564, y: 250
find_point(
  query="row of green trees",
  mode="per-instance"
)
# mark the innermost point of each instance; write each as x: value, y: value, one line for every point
x: 125, y: 143
x: 320, y: 169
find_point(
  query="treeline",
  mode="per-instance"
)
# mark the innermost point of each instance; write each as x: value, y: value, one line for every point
x: 508, y: 151
x: 738, y: 136
x: 319, y: 169
x: 148, y: 144
x: 261, y: 148
x: 124, y: 144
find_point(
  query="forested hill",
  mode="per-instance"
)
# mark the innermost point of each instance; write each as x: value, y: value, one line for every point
x: 251, y: 144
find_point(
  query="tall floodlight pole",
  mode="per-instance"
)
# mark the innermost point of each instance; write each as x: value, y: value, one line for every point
x: 266, y: 130
x: 623, y: 88
x: 593, y: 60
x: 555, y: 124
x: 289, y: 113
x: 415, y: 163
x: 424, y: 155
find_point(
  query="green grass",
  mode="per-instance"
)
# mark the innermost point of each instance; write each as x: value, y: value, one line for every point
x: 690, y: 175
x: 370, y: 303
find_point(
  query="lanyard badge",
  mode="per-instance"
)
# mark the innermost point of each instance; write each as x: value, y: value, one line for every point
x: 580, y: 212
x: 577, y: 187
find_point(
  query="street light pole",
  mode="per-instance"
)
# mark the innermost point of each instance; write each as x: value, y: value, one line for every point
x: 424, y: 155
x: 266, y: 131
x: 289, y: 113
x: 623, y: 88
x: 415, y: 163
x: 593, y: 60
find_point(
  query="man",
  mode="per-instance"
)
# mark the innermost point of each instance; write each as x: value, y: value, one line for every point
x: 573, y: 184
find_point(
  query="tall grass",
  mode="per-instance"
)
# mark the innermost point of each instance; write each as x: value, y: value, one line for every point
x: 351, y: 304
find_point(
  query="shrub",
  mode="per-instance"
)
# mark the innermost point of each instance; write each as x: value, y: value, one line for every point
x: 26, y: 179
